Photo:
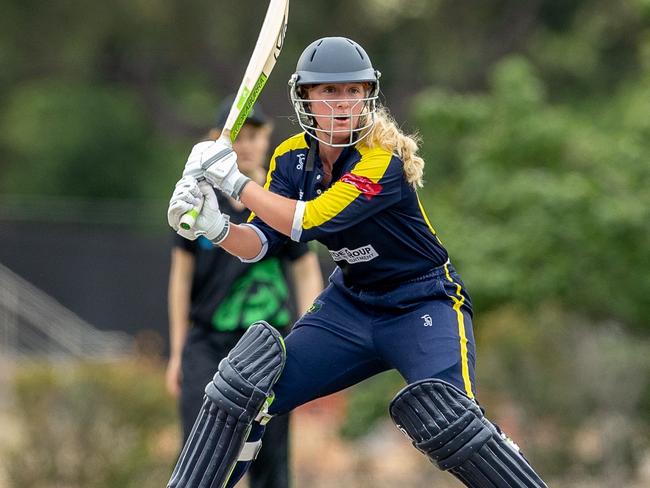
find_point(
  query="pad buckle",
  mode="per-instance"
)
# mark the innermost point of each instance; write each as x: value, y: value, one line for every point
x: 264, y: 416
x: 250, y: 451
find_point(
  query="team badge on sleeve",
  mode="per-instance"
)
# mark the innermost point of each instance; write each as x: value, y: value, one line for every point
x: 365, y: 185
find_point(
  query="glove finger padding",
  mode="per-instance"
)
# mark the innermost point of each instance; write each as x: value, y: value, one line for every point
x: 210, y: 221
x: 189, y: 234
x: 193, y: 165
x: 219, y: 164
x: 210, y: 201
x: 189, y: 183
x: 186, y: 196
x: 175, y: 211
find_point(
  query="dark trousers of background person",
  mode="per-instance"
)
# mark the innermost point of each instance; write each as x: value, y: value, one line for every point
x: 201, y: 355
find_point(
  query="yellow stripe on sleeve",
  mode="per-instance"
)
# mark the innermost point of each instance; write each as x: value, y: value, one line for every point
x: 293, y: 143
x: 458, y: 300
x: 373, y: 165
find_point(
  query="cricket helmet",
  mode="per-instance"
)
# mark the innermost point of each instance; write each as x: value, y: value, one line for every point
x: 334, y: 60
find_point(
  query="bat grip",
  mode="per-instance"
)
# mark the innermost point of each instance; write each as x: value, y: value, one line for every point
x: 189, y: 219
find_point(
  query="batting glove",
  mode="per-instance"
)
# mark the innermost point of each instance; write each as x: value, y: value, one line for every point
x: 217, y: 162
x: 193, y: 164
x: 191, y: 194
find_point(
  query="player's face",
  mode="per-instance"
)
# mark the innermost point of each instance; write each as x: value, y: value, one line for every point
x: 336, y: 108
x: 251, y: 146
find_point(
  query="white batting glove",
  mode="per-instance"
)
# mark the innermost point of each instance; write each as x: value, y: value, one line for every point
x: 193, y: 164
x: 217, y: 163
x: 185, y: 197
x: 210, y: 222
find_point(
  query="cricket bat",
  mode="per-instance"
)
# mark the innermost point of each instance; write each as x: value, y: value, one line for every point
x: 267, y: 50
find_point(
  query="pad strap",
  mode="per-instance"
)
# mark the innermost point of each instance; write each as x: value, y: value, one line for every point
x: 250, y: 451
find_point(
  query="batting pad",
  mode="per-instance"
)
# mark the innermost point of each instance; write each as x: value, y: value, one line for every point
x: 238, y: 392
x: 450, y: 429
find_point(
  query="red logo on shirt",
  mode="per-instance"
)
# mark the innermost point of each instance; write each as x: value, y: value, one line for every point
x: 363, y: 184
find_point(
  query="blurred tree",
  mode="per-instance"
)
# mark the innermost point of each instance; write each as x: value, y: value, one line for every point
x: 178, y: 58
x: 571, y: 400
x: 68, y: 138
x: 537, y: 201
x: 99, y: 425
x: 534, y: 116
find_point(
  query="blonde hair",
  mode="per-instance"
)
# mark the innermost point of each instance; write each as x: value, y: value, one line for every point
x: 386, y: 135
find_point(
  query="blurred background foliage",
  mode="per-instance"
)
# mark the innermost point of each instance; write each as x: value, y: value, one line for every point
x: 103, y: 425
x: 535, y: 121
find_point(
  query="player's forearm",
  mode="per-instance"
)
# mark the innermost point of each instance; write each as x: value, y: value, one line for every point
x: 180, y: 282
x: 179, y: 322
x: 242, y: 241
x: 178, y: 328
x: 276, y: 210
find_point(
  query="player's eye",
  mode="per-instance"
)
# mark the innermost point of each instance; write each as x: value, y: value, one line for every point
x: 355, y: 91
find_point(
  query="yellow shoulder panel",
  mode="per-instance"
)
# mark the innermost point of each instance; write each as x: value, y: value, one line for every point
x: 373, y: 165
x: 294, y: 142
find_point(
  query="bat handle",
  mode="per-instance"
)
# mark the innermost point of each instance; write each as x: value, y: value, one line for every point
x: 189, y: 219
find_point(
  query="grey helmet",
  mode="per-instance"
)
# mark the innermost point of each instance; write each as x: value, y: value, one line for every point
x: 334, y: 60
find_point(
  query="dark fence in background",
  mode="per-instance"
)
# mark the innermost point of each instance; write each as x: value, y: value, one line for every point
x: 108, y: 262
x: 102, y: 264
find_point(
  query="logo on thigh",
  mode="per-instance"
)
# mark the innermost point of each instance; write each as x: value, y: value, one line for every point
x: 427, y: 320
x: 315, y: 307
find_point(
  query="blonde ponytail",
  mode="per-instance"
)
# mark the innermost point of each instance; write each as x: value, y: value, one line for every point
x: 386, y: 135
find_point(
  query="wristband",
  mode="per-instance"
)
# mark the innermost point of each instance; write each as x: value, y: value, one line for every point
x: 239, y: 186
x: 224, y: 232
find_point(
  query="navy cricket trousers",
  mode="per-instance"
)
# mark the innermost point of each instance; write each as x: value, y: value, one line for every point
x: 422, y: 328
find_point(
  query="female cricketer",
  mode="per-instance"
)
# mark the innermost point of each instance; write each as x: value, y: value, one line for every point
x: 394, y: 301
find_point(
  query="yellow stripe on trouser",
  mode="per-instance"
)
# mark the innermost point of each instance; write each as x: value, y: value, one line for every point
x: 458, y: 300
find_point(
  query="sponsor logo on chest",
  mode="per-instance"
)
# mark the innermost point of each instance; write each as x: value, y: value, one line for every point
x: 358, y: 255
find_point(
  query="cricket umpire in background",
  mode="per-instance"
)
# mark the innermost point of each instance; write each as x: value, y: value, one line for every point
x: 214, y: 297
